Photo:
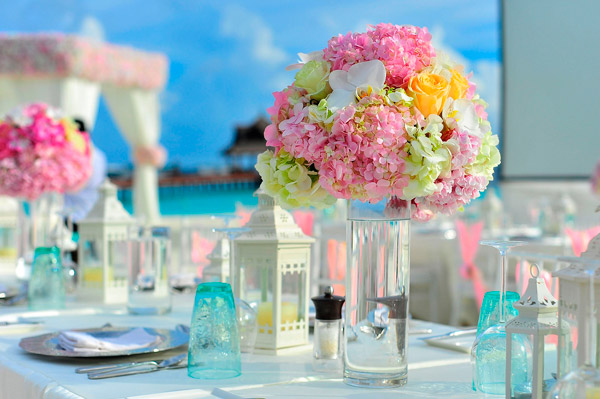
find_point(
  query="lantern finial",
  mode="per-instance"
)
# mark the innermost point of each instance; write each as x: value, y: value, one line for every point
x: 537, y: 298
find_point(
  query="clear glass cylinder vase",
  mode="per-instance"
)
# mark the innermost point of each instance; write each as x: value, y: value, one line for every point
x: 377, y: 285
x: 36, y: 227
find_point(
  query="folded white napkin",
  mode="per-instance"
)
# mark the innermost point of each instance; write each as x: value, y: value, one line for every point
x: 85, y: 342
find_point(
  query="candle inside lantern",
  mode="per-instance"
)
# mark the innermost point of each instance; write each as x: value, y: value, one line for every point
x: 289, y: 313
x: 592, y: 393
x: 93, y: 275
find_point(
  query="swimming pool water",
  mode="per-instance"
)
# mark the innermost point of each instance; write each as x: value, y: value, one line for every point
x: 198, y: 202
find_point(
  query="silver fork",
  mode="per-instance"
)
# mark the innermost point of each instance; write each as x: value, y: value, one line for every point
x: 143, y: 367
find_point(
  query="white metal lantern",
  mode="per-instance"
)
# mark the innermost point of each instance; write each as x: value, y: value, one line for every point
x: 218, y: 268
x: 103, y: 270
x: 574, y: 292
x: 271, y: 270
x: 538, y: 325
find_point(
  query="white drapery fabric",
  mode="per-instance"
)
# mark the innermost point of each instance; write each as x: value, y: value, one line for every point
x: 76, y: 97
x: 69, y: 72
x: 137, y: 114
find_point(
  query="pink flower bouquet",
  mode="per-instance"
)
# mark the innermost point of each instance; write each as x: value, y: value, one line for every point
x: 375, y: 115
x: 40, y: 153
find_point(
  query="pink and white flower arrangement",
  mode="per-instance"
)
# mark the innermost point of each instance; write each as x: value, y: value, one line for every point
x: 375, y: 115
x: 40, y: 152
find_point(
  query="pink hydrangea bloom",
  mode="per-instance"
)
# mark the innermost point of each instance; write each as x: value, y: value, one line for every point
x: 454, y: 192
x: 282, y: 109
x: 37, y: 157
x: 404, y: 50
x: 364, y: 153
x: 382, y: 146
x: 467, y: 149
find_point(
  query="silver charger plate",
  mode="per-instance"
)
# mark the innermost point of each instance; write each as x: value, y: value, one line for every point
x: 47, y: 344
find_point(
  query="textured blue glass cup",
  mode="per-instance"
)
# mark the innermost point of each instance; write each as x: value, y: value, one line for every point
x: 490, y: 309
x: 488, y: 354
x: 214, y: 348
x: 47, y: 284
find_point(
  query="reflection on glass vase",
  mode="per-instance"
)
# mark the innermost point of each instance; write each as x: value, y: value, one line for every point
x: 37, y: 220
x: 377, y: 283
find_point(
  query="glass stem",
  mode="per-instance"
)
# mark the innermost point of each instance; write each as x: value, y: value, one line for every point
x: 503, y: 287
x: 591, y: 338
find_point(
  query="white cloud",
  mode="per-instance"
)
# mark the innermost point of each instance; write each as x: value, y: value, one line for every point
x: 240, y: 23
x: 91, y: 28
x: 486, y: 75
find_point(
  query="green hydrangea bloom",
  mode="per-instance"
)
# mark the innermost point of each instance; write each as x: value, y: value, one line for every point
x: 289, y: 181
x: 427, y: 159
x: 398, y: 96
x: 321, y: 114
x: 487, y: 158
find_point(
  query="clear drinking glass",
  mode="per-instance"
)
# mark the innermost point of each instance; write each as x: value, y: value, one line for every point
x: 584, y: 382
x: 214, y: 348
x: 148, y: 261
x: 377, y: 282
x: 230, y: 234
x: 246, y: 318
x: 47, y: 283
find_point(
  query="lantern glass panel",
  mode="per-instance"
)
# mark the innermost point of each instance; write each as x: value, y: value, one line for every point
x: 117, y: 263
x: 568, y: 346
x: 293, y: 296
x: 8, y: 248
x: 92, y: 261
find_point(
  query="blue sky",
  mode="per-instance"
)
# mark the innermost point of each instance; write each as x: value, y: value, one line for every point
x: 227, y: 57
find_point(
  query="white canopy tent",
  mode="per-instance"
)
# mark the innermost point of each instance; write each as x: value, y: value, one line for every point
x: 70, y: 73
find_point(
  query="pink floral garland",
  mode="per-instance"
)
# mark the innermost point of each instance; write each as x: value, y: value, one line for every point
x: 57, y: 55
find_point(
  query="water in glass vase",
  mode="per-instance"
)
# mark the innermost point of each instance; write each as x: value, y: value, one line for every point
x: 377, y: 283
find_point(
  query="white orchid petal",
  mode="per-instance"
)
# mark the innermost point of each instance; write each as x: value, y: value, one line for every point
x: 338, y: 80
x: 371, y: 73
x: 303, y: 58
x: 294, y: 66
x: 339, y: 99
x: 312, y: 56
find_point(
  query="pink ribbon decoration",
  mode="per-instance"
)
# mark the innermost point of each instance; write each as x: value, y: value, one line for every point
x: 336, y: 264
x: 243, y: 215
x: 580, y: 239
x: 468, y: 238
x: 306, y: 220
x: 150, y: 155
x: 201, y: 248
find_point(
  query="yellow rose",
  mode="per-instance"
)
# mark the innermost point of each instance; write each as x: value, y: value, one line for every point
x: 73, y: 136
x: 429, y: 92
x: 458, y: 85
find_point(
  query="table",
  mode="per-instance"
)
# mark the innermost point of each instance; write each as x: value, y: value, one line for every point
x: 433, y: 372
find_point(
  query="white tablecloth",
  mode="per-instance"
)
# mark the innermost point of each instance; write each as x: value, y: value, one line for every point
x: 433, y: 372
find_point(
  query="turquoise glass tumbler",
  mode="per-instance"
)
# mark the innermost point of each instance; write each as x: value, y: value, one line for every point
x: 488, y: 354
x: 47, y: 284
x: 490, y: 309
x: 214, y: 348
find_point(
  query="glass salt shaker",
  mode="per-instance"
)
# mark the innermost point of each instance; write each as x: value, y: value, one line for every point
x: 327, y: 348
